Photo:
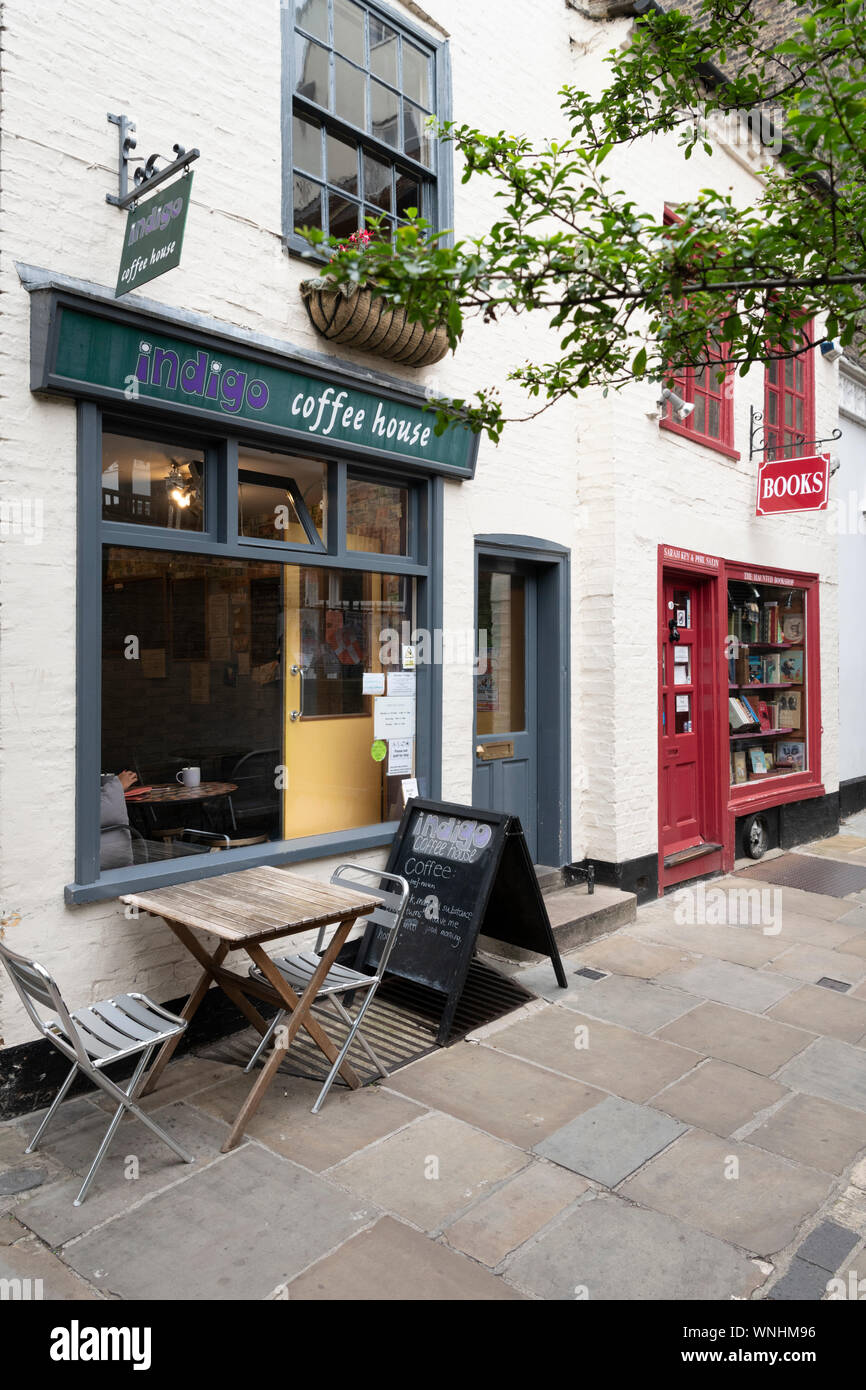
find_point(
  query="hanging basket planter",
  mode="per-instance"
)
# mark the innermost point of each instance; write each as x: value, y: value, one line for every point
x: 358, y: 318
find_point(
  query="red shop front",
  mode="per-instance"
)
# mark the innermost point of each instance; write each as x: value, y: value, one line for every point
x: 739, y: 723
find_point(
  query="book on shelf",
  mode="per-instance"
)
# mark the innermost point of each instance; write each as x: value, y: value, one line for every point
x: 769, y: 626
x: 769, y: 759
x: 792, y: 667
x: 773, y: 669
x: 790, y: 709
x: 793, y: 625
x: 756, y: 670
x: 739, y: 764
x: 766, y: 714
x: 738, y: 716
x: 742, y: 666
x: 750, y: 711
x: 757, y: 763
x: 790, y: 757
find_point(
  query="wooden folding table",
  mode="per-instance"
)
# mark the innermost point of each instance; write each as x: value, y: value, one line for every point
x: 243, y: 910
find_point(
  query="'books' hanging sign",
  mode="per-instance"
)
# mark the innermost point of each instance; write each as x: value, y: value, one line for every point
x: 153, y: 239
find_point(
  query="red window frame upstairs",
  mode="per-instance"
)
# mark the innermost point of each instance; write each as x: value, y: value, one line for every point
x: 789, y: 403
x: 701, y: 387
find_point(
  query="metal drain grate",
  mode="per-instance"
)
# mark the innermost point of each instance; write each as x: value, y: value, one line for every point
x: 810, y: 873
x: 400, y: 1025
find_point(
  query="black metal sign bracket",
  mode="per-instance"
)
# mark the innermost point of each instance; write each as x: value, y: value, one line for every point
x: 758, y: 439
x: 146, y: 175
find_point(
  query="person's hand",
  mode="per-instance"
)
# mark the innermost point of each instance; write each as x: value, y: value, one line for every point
x: 127, y: 779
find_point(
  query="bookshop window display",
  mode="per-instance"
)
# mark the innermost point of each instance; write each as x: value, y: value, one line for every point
x: 772, y: 682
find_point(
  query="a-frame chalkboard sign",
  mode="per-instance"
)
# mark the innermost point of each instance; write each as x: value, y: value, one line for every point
x: 470, y: 874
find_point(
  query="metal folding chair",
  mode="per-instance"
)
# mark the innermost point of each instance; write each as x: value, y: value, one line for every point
x: 393, y: 891
x: 93, y: 1038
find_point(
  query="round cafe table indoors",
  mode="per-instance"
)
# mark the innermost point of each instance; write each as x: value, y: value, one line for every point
x: 171, y: 792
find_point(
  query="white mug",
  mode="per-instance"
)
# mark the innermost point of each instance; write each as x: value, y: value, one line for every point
x: 190, y: 776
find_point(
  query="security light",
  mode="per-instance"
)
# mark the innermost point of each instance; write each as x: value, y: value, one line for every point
x: 832, y: 350
x: 681, y: 409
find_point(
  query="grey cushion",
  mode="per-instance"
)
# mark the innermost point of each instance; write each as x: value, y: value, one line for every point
x: 115, y: 841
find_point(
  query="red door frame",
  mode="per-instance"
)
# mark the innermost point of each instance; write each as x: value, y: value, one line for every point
x: 703, y: 572
x: 724, y: 804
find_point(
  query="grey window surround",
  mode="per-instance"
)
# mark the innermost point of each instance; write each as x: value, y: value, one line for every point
x: 440, y: 180
x: 423, y: 562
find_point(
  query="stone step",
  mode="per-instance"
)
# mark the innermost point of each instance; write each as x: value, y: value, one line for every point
x: 549, y: 877
x: 576, y: 917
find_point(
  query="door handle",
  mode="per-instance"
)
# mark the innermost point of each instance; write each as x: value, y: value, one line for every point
x: 479, y: 749
x: 296, y: 713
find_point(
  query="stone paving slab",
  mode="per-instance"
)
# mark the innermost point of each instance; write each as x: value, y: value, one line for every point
x: 392, y: 1262
x: 855, y: 918
x: 828, y: 1246
x: 237, y: 1230
x: 184, y: 1078
x: 816, y: 1132
x: 802, y: 1283
x: 612, y: 1250
x: 753, y: 1041
x: 49, y: 1211
x: 614, y: 1059
x: 430, y: 1172
x: 740, y: 945
x: 28, y: 1260
x: 511, y: 1099
x: 735, y: 985
x: 830, y: 1069
x: 624, y: 999
x: 627, y: 954
x: 758, y: 1210
x: 817, y: 931
x: 515, y: 1212
x: 284, y: 1121
x: 855, y: 945
x: 611, y: 1140
x: 719, y: 1097
x: 820, y: 1010
x: 806, y: 962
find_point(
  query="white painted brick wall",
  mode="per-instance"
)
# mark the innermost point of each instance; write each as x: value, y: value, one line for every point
x: 596, y: 476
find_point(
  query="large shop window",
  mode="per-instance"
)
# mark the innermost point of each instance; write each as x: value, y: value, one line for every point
x: 769, y: 633
x: 241, y: 673
x: 363, y: 88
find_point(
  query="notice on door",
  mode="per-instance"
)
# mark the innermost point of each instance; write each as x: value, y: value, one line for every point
x: 393, y: 717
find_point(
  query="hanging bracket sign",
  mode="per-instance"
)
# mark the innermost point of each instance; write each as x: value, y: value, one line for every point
x: 153, y: 239
x: 793, y: 485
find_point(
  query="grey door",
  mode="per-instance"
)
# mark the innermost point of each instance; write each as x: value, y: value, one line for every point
x: 506, y: 701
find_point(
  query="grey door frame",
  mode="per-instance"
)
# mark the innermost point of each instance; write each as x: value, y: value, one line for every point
x: 552, y: 563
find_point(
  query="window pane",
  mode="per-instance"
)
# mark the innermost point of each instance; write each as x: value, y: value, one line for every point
x: 312, y: 15
x: 383, y: 51
x: 714, y: 421
x: 417, y: 143
x: 772, y: 408
x: 798, y: 373
x: 416, y: 74
x: 789, y: 410
x: 789, y: 372
x: 308, y: 203
x: 307, y: 145
x: 798, y: 413
x: 699, y: 417
x: 204, y: 692
x: 311, y: 73
x: 153, y: 484
x: 500, y: 688
x: 408, y: 194
x: 349, y: 86
x: 384, y: 114
x: 267, y: 486
x: 377, y: 517
x: 773, y: 371
x: 377, y: 182
x: 343, y: 216
x: 349, y: 31
x: 342, y: 164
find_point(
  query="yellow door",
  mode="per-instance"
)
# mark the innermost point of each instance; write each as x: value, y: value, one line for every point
x: 332, y: 781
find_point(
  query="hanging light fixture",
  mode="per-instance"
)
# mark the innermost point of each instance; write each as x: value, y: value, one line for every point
x: 181, y: 490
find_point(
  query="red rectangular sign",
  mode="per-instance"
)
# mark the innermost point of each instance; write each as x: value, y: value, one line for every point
x: 793, y: 485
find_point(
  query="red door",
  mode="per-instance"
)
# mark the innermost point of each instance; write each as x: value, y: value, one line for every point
x: 680, y: 772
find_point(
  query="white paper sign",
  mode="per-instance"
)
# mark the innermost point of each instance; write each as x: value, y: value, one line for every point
x: 400, y: 756
x: 682, y: 704
x: 408, y: 659
x: 393, y: 718
x: 373, y: 683
x: 401, y: 683
x: 409, y: 788
x: 681, y: 655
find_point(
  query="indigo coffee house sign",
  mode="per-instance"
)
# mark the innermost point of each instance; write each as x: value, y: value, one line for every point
x: 153, y: 239
x: 88, y: 353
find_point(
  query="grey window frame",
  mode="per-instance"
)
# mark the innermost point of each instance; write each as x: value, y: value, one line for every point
x: 440, y: 179
x: 422, y: 563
